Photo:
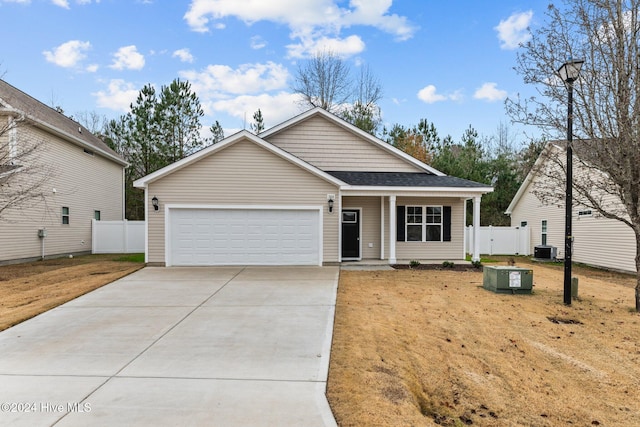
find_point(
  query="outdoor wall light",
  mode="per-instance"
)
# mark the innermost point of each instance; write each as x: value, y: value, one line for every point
x: 154, y: 202
x: 330, y: 203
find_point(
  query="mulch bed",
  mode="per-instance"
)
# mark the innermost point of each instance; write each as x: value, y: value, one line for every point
x: 440, y: 267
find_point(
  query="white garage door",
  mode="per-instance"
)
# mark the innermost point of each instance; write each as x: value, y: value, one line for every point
x: 244, y: 237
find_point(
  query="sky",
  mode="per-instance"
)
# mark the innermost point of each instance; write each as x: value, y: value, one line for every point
x: 450, y: 62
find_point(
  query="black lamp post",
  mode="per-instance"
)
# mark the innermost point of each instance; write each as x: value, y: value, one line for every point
x: 569, y: 73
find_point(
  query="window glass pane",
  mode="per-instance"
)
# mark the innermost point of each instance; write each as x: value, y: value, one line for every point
x: 544, y: 239
x: 65, y: 220
x: 414, y: 215
x: 434, y: 233
x: 544, y: 225
x: 434, y: 215
x: 65, y: 210
x: 414, y: 233
x: 348, y: 216
x: 96, y: 215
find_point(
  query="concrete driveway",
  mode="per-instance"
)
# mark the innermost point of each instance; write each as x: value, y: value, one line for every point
x: 223, y: 346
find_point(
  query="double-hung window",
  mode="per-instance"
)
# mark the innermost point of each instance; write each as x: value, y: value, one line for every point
x: 65, y: 215
x: 424, y: 223
x: 414, y: 223
x: 543, y: 234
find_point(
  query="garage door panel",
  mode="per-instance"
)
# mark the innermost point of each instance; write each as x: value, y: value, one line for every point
x: 243, y: 237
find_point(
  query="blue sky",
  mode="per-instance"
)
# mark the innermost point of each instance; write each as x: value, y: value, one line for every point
x: 450, y: 62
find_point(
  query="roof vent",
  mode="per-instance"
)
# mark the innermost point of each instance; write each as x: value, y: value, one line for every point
x: 79, y: 129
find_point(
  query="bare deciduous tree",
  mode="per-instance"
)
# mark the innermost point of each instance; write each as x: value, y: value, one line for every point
x: 324, y: 81
x: 23, y: 172
x: 606, y: 34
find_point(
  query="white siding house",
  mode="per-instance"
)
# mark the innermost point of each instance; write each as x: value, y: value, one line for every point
x: 84, y: 180
x: 598, y: 241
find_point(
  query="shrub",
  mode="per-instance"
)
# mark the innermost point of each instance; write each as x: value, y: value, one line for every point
x: 448, y: 264
x: 414, y: 263
x: 477, y: 264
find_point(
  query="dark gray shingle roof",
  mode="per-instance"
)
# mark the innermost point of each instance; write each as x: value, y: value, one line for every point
x: 18, y: 100
x: 403, y: 179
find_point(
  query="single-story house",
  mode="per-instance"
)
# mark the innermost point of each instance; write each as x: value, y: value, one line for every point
x: 72, y: 175
x: 313, y: 190
x: 597, y: 241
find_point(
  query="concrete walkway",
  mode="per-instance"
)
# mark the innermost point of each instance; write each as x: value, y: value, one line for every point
x: 224, y: 346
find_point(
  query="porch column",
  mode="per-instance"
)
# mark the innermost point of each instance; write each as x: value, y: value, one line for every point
x: 476, y: 229
x: 392, y: 230
x: 381, y: 227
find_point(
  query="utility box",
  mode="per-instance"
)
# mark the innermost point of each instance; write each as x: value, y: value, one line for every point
x: 42, y: 233
x: 508, y: 280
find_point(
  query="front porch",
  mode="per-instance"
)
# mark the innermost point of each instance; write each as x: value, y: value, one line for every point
x: 403, y: 226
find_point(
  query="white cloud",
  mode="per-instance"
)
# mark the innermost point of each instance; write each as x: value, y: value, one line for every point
x: 68, y: 54
x: 428, y: 94
x: 514, y: 30
x: 92, y: 68
x: 118, y: 96
x: 65, y: 3
x: 308, y: 20
x: 350, y: 46
x: 257, y: 42
x: 222, y: 80
x: 183, y: 54
x: 490, y: 92
x: 128, y: 58
x: 275, y: 108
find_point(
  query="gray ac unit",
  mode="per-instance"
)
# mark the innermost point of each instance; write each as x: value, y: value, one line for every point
x: 545, y: 252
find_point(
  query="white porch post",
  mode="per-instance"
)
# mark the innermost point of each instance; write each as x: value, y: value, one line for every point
x: 476, y: 229
x: 392, y: 230
x: 381, y: 227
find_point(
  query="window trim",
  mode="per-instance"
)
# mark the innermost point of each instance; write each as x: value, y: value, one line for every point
x: 423, y: 222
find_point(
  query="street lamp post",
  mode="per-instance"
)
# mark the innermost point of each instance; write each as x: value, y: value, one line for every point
x: 569, y: 72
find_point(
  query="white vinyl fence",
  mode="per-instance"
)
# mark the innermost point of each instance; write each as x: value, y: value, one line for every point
x: 500, y: 240
x: 117, y: 237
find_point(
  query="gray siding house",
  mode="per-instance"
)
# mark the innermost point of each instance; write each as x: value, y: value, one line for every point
x: 313, y: 190
x: 81, y: 179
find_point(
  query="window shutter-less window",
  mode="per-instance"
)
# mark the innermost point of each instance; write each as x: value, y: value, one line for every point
x: 446, y: 223
x: 400, y: 237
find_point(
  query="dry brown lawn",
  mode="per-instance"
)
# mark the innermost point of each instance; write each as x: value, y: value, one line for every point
x: 414, y: 348
x: 27, y: 290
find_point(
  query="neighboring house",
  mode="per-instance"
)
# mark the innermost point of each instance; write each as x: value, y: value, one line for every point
x: 313, y: 190
x: 84, y: 180
x: 597, y: 241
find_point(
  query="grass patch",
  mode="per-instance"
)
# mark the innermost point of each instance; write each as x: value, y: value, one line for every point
x: 483, y: 259
x: 130, y: 258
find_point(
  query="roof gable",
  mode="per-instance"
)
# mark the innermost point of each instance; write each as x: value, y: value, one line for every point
x: 14, y: 101
x: 531, y: 175
x: 228, y: 142
x: 330, y: 143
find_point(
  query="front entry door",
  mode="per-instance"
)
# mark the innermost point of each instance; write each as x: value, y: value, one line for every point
x: 350, y: 234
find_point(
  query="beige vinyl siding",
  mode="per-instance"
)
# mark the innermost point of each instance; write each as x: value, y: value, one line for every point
x: 83, y: 183
x: 603, y: 242
x: 370, y: 223
x: 241, y: 174
x: 332, y: 148
x: 445, y: 251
